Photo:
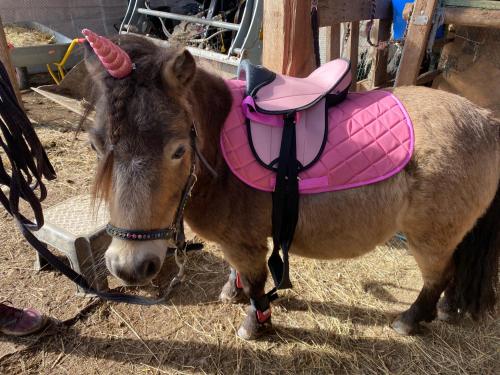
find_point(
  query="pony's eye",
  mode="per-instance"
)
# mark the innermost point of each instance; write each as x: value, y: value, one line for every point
x: 179, y: 152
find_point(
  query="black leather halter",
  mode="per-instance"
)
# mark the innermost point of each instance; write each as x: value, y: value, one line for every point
x: 176, y: 230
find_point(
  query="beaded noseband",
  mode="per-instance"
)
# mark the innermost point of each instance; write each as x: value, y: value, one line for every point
x: 139, y: 235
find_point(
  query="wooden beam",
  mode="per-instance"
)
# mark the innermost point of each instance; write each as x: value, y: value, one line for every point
x: 288, y: 43
x: 332, y: 42
x: 332, y: 12
x: 353, y: 46
x: 428, y: 76
x: 416, y: 42
x: 74, y: 105
x: 472, y: 17
x: 7, y: 62
x: 487, y: 4
x: 379, y: 76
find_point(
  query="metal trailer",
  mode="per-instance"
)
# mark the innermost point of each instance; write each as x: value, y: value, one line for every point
x: 247, y: 43
x: 35, y: 58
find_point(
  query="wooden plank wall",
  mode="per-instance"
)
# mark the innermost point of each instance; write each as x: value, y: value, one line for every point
x: 336, y: 11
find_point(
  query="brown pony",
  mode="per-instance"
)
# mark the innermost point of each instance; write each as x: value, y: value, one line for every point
x: 446, y: 200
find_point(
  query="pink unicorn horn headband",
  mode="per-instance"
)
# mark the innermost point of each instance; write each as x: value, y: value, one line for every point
x: 115, y: 60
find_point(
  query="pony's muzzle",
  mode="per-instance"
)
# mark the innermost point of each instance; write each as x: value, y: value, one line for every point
x: 135, y: 263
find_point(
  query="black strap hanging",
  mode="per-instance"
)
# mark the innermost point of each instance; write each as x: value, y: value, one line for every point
x: 315, y: 31
x: 285, y: 210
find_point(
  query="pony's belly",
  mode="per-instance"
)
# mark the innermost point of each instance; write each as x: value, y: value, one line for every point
x: 344, y: 244
x: 329, y: 250
x: 350, y: 223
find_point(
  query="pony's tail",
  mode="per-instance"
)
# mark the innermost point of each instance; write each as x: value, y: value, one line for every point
x: 476, y: 264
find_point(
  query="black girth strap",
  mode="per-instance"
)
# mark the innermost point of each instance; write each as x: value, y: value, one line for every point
x: 285, y: 212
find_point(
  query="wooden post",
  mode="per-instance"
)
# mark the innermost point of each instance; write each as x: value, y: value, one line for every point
x: 379, y: 70
x: 416, y: 41
x: 333, y: 42
x: 288, y: 42
x: 353, y: 47
x: 6, y: 61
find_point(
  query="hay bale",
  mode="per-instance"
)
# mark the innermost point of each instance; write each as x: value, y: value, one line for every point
x: 21, y: 36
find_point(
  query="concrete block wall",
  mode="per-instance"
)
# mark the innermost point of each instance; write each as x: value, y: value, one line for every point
x: 67, y: 16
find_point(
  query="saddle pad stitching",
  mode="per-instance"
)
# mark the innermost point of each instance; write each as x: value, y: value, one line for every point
x: 350, y: 135
x: 376, y: 140
x: 241, y: 164
x: 365, y: 125
x: 356, y: 152
x: 387, y: 130
x: 374, y: 163
x: 360, y: 151
x: 407, y: 122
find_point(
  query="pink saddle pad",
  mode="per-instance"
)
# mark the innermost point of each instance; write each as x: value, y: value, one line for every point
x: 370, y: 138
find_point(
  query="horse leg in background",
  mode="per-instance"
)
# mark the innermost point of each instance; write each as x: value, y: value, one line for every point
x: 448, y: 306
x: 232, y: 291
x: 436, y: 269
x: 250, y: 263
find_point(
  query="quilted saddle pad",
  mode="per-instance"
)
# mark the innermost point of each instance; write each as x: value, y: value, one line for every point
x: 370, y: 138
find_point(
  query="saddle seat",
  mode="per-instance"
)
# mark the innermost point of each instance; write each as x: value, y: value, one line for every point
x: 272, y: 99
x: 279, y: 94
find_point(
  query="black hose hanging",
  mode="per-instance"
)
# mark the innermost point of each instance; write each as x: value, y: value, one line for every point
x: 28, y: 161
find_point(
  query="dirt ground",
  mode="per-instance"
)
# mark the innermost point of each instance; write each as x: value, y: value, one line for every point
x: 335, y: 320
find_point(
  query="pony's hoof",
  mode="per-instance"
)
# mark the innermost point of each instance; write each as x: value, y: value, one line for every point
x: 403, y: 328
x: 251, y: 328
x: 231, y: 294
x: 448, y: 316
x: 446, y: 313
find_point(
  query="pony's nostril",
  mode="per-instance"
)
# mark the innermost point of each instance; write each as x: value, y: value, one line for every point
x: 150, y: 266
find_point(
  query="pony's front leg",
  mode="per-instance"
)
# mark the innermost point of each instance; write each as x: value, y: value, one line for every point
x: 250, y: 276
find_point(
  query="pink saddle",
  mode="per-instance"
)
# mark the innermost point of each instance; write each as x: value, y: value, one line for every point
x: 361, y: 139
x: 278, y: 94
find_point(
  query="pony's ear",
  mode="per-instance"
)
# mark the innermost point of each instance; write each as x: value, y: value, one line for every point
x: 179, y: 71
